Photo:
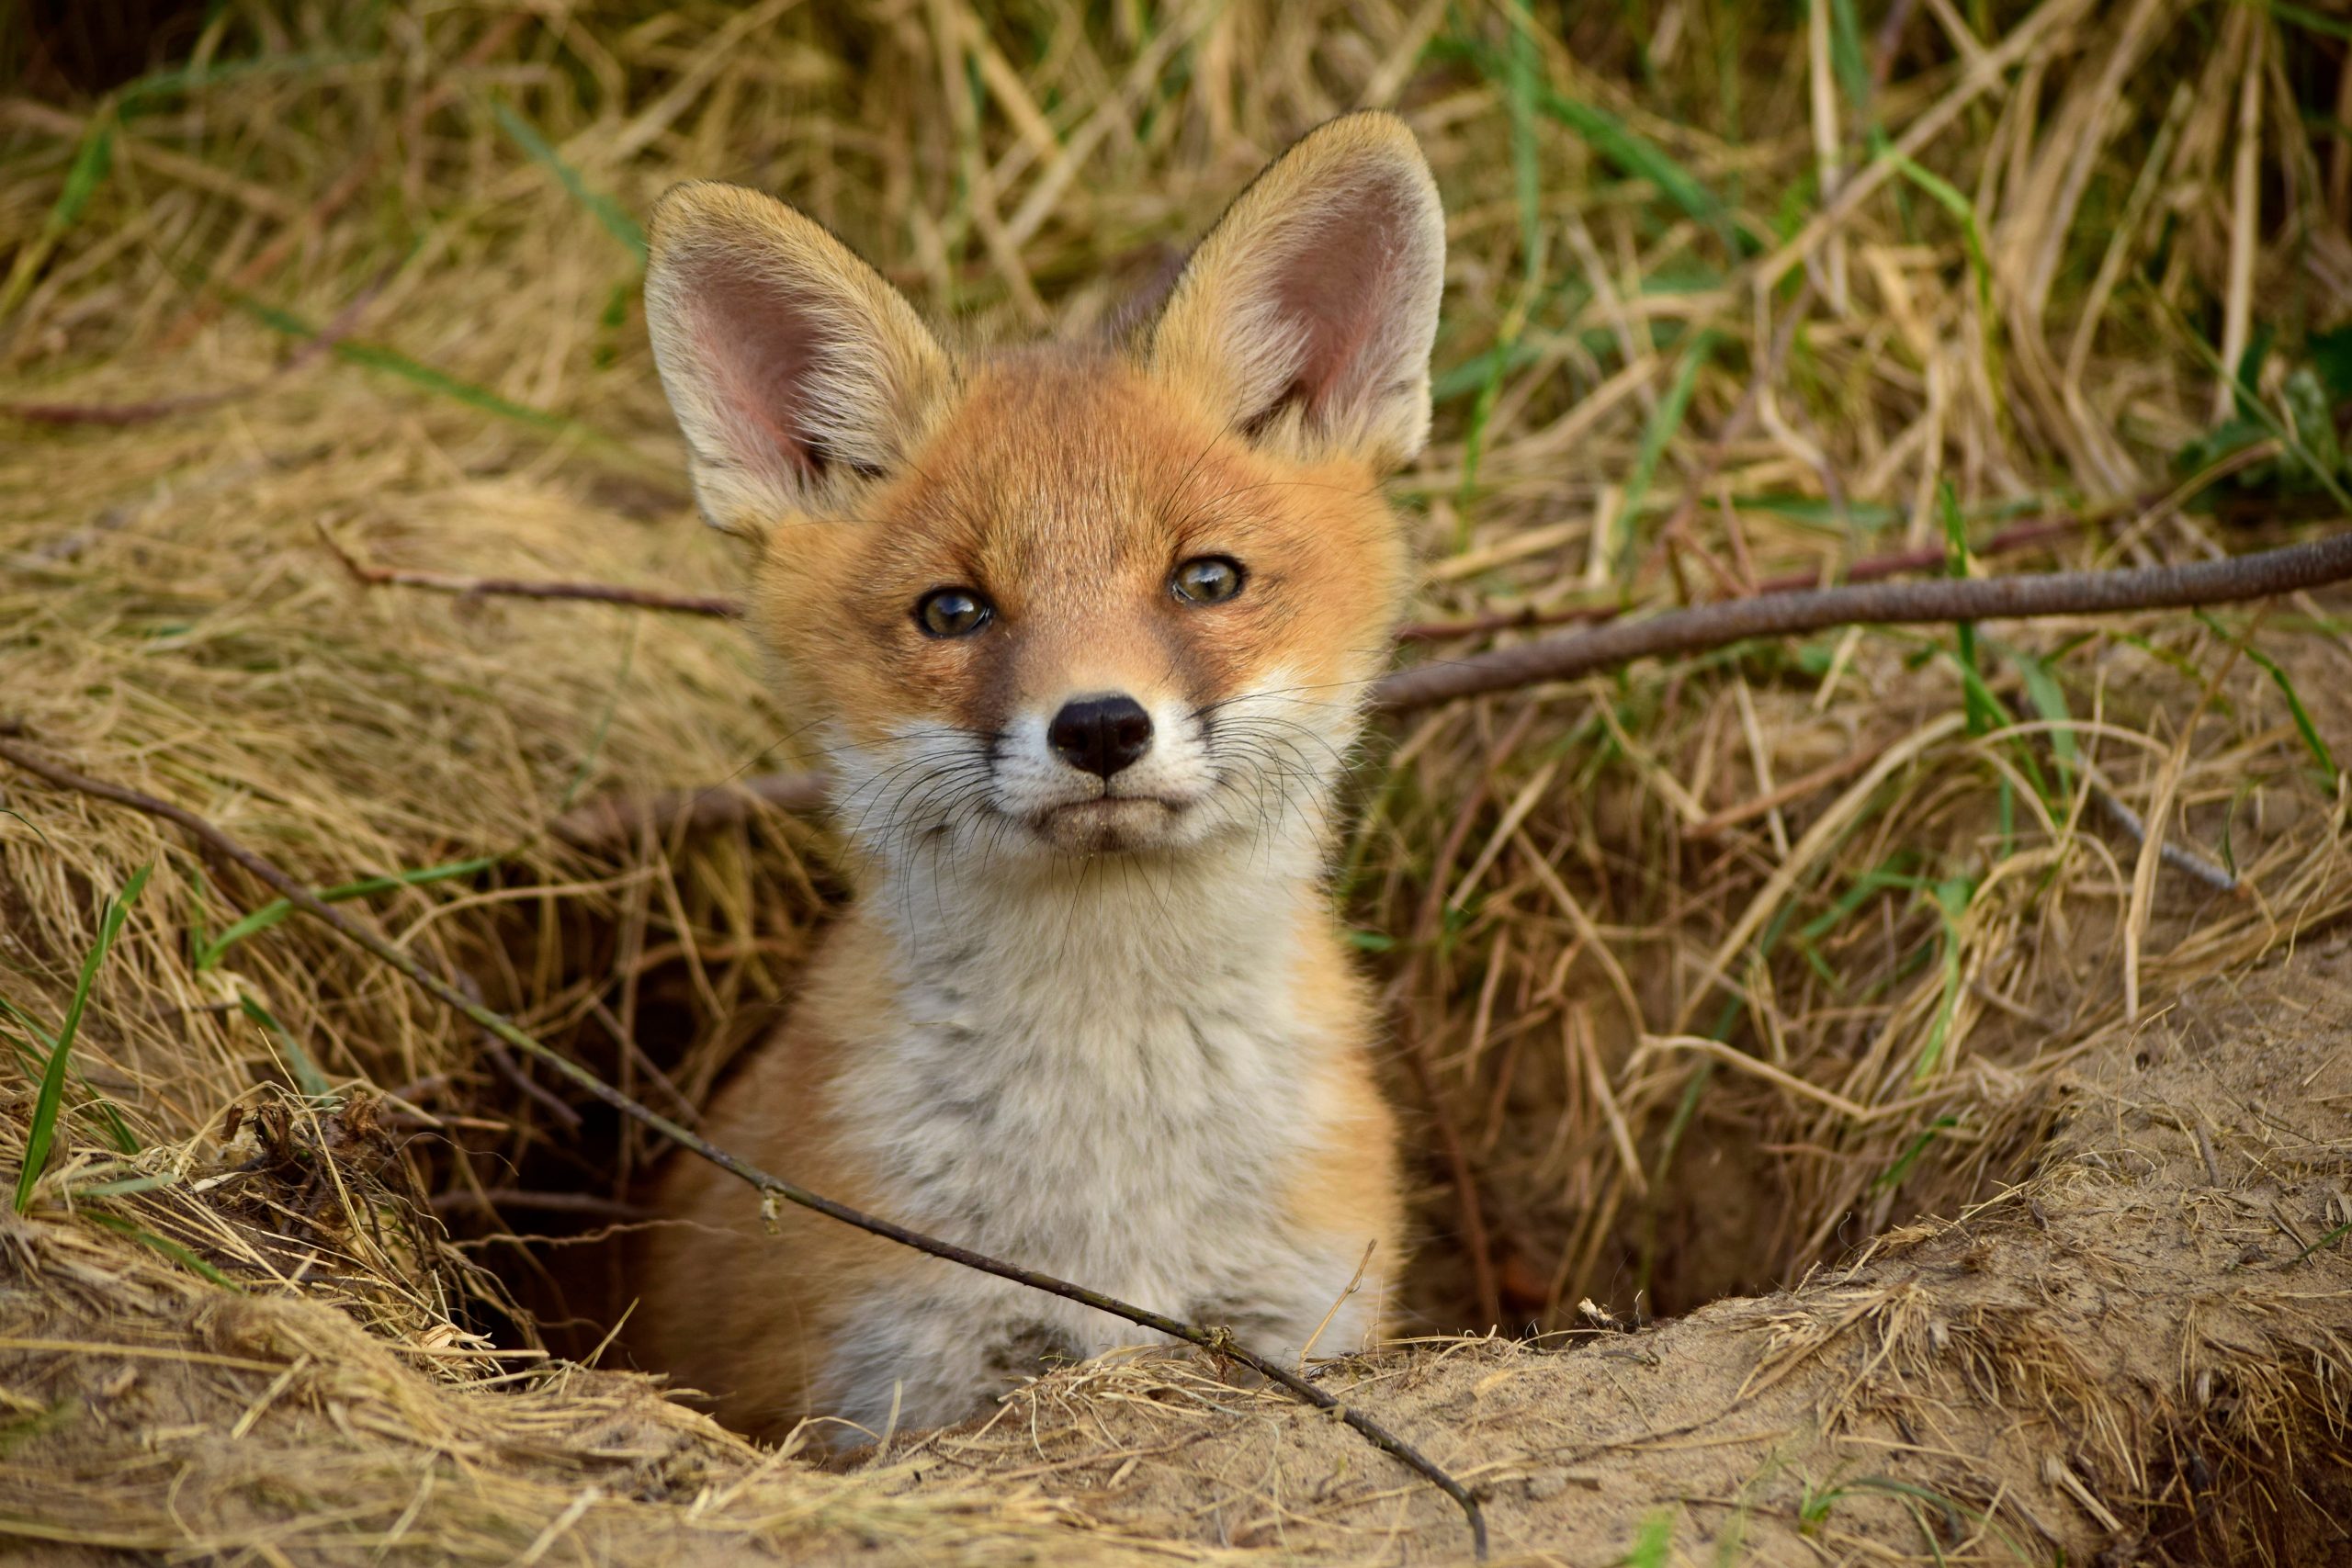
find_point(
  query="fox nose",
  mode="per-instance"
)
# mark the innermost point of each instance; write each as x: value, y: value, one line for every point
x: 1101, y: 735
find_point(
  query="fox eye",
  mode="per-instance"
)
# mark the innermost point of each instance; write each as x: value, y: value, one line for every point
x: 953, y: 612
x: 1206, y: 580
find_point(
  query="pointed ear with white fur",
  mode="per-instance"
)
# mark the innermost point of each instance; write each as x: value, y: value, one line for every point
x: 1306, y: 317
x: 795, y: 370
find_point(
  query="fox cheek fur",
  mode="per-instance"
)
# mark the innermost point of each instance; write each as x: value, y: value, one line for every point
x: 1085, y: 632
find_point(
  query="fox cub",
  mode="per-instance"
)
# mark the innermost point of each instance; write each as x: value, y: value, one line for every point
x: 1085, y: 631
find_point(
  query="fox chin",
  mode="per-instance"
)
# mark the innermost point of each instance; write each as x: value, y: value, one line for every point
x: 1085, y: 632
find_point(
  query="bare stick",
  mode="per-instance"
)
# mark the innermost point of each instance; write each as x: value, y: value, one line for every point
x: 2234, y: 578
x: 122, y: 414
x: 525, y: 588
x: 491, y: 1200
x: 1708, y: 627
x: 608, y: 821
x: 1870, y: 569
x: 1219, y: 1341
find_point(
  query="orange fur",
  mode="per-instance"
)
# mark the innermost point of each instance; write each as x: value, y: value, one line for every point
x: 1092, y: 1016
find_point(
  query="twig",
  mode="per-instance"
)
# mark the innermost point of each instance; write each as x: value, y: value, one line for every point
x: 122, y: 414
x: 603, y: 822
x: 2022, y: 536
x: 1218, y: 1341
x: 1696, y: 630
x: 1870, y: 569
x: 2234, y: 578
x: 2177, y: 856
x: 523, y: 587
x: 491, y: 1200
x: 511, y: 1070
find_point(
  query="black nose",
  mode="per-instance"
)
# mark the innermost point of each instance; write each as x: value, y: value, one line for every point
x: 1100, y: 734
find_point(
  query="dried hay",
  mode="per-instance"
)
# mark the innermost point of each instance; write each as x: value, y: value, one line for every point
x: 1714, y: 970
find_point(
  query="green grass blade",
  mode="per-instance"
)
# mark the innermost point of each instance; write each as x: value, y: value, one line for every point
x: 92, y: 160
x: 1620, y: 145
x: 1654, y: 1544
x: 1952, y: 900
x: 2330, y: 1239
x: 139, y: 95
x: 92, y: 163
x: 16, y: 1433
x: 2250, y: 402
x: 1663, y: 424
x: 2311, y: 21
x: 2314, y: 742
x: 2049, y: 699
x: 165, y: 1246
x: 122, y: 1187
x: 1643, y: 159
x: 1474, y: 372
x: 391, y: 362
x: 307, y: 1075
x: 37, y: 1060
x: 30, y: 825
x: 270, y: 914
x: 1952, y: 199
x: 1522, y: 79
x: 1846, y: 57
x: 607, y: 212
x: 43, y: 1130
x: 1892, y: 1177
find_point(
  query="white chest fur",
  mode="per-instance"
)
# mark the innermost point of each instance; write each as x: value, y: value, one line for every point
x: 1106, y: 1075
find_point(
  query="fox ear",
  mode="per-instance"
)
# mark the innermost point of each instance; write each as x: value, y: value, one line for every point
x: 1305, y: 317
x: 795, y: 370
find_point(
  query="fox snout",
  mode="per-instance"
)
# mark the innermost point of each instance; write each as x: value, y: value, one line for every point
x: 1096, y: 769
x: 1101, y: 735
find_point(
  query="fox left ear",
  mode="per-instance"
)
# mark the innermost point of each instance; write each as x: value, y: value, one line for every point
x: 1305, y: 317
x: 797, y: 373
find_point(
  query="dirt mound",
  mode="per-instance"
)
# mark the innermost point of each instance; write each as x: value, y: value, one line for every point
x: 2140, y: 1354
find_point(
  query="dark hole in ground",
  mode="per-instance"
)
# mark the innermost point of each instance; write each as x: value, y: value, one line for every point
x: 549, y: 1207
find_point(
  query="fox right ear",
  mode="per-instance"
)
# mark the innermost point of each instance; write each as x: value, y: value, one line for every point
x: 1305, y: 317
x: 795, y: 370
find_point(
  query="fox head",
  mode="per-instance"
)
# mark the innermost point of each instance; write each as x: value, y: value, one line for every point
x: 1071, y: 602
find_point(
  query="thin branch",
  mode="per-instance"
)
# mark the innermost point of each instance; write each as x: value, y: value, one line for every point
x: 1696, y: 630
x: 2019, y: 537
x: 491, y: 1200
x: 2227, y: 580
x: 1870, y: 569
x: 604, y: 822
x: 524, y: 588
x: 1219, y: 1340
x: 124, y: 414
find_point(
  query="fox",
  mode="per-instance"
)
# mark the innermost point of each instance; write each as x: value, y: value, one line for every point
x: 1084, y: 631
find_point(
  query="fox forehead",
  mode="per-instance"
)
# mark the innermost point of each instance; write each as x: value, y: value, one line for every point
x: 1056, y: 474
x: 1066, y: 486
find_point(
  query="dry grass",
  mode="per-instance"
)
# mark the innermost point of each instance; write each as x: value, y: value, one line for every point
x: 1683, y: 1046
